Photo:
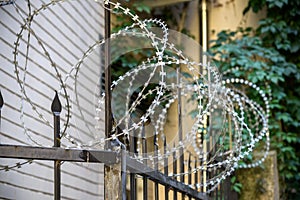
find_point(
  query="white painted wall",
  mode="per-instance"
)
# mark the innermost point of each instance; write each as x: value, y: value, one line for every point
x: 228, y: 15
x: 67, y: 30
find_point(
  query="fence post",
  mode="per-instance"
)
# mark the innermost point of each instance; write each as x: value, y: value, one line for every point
x: 174, y: 171
x: 166, y: 170
x: 56, y: 110
x: 132, y: 149
x: 190, y: 173
x: 112, y: 173
x: 144, y: 146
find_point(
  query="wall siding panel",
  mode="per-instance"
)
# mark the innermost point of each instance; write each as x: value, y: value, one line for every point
x: 66, y: 30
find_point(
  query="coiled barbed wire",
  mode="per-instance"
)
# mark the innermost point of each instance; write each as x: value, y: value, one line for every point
x: 210, y: 91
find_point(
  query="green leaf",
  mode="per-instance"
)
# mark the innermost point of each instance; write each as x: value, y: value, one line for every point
x: 285, y: 117
x: 237, y: 189
x: 233, y: 179
x: 295, y: 46
x: 278, y: 4
x: 141, y: 7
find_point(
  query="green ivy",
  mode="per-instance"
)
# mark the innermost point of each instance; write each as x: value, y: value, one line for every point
x: 235, y: 185
x: 266, y: 55
x: 270, y: 55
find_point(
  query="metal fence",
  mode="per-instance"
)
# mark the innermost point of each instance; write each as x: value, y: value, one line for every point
x: 132, y: 167
x: 155, y: 183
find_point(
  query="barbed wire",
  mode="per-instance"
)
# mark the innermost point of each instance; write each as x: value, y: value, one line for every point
x: 211, y: 95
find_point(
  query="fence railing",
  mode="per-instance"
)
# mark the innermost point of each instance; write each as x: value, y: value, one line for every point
x: 133, y: 167
x: 153, y: 181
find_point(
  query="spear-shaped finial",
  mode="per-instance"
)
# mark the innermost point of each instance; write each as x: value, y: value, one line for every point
x: 1, y: 105
x: 1, y: 100
x: 56, y: 105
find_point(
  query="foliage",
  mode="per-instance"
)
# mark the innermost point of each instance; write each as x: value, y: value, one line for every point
x: 130, y: 60
x: 267, y: 55
x: 235, y: 185
x: 270, y: 54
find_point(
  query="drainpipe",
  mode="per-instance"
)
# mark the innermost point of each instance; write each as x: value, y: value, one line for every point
x: 204, y: 25
x: 204, y: 60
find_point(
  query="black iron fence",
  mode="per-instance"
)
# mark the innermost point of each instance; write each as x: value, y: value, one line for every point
x: 154, y: 183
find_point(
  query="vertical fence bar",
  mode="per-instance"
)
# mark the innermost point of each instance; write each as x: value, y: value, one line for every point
x: 108, y: 114
x: 221, y: 190
x: 108, y: 125
x: 174, y: 172
x: 123, y: 171
x: 56, y: 110
x: 190, y: 172
x: 1, y: 105
x: 181, y: 158
x: 200, y: 174
x: 218, y: 188
x: 226, y: 189
x: 145, y: 181
x: 132, y: 175
x: 196, y: 175
x: 166, y: 170
x: 156, y: 165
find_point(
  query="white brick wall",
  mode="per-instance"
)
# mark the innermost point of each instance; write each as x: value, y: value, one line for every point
x: 66, y: 30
